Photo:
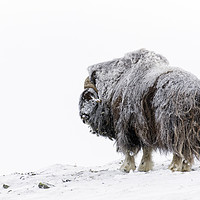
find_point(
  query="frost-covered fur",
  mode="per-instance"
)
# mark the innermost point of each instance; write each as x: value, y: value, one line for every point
x: 146, y: 103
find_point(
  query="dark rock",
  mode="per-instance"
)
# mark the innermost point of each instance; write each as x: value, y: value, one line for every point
x: 5, y: 186
x: 43, y: 186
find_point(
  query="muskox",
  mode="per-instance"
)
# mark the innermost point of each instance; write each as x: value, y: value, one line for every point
x: 142, y: 102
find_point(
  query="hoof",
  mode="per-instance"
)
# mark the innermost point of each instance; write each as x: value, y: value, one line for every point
x: 175, y: 167
x: 145, y: 166
x: 127, y: 167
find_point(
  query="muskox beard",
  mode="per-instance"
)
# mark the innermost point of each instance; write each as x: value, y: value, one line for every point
x: 101, y: 121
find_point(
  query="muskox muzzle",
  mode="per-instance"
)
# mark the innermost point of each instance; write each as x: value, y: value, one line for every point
x: 84, y: 117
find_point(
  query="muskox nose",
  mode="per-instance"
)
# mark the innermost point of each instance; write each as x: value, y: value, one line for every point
x: 84, y: 117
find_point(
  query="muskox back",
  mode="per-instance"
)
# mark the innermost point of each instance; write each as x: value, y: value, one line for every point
x: 148, y: 104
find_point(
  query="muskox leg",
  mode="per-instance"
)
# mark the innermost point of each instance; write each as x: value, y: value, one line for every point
x: 176, y: 164
x: 129, y: 163
x: 180, y: 164
x: 146, y: 163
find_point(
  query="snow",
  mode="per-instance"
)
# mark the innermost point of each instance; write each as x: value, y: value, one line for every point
x: 103, y: 182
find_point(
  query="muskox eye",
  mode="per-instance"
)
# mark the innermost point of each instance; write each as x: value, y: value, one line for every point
x: 88, y: 96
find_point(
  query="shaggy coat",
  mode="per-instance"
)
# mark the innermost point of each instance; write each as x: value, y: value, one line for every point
x: 140, y: 101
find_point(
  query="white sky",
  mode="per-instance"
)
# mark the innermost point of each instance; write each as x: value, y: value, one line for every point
x: 45, y: 49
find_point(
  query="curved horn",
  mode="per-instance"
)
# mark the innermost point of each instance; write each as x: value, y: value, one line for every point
x: 88, y: 84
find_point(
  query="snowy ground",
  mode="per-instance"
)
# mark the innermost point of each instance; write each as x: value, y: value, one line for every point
x: 103, y: 182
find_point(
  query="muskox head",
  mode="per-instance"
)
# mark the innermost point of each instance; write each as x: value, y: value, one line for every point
x: 88, y: 101
x: 95, y: 112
